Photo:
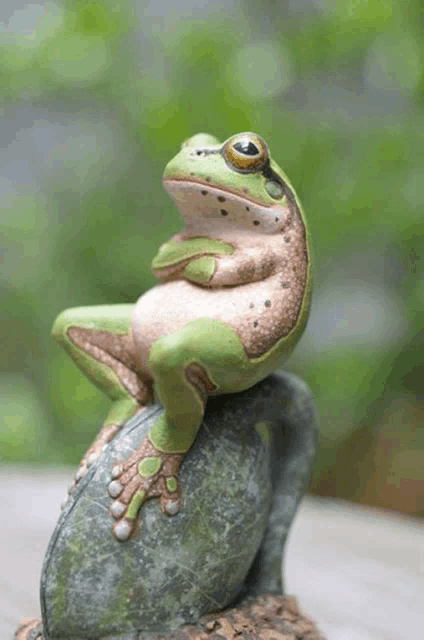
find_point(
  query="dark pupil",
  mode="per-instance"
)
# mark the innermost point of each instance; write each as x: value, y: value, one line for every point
x: 247, y: 148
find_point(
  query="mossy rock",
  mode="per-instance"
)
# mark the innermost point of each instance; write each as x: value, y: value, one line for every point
x: 241, y: 483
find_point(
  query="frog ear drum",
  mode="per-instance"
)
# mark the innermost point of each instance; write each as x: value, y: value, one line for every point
x: 245, y: 152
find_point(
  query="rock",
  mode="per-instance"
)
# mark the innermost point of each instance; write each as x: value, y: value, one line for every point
x: 262, y: 618
x: 241, y: 483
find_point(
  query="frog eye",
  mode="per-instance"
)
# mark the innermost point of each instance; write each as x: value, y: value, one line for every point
x: 245, y: 152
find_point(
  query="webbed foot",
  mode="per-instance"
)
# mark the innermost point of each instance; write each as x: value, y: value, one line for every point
x: 148, y: 473
x: 104, y: 436
x: 30, y: 629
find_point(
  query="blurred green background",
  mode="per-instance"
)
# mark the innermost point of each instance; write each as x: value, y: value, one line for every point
x: 98, y: 97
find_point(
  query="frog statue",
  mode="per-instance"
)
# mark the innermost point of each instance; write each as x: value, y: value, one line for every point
x: 232, y: 303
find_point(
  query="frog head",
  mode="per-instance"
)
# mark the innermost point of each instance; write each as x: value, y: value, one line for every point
x: 234, y: 186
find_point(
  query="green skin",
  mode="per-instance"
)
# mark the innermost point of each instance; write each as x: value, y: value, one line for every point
x: 205, y: 342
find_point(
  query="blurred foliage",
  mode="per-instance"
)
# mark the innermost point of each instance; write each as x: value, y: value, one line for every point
x: 98, y: 97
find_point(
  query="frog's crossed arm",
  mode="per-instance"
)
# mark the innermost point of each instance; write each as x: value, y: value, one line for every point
x: 211, y: 262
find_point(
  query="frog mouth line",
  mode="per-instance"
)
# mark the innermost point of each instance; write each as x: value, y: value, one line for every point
x: 243, y: 195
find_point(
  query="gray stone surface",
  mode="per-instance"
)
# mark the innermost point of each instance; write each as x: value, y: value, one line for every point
x: 347, y: 564
x: 241, y: 483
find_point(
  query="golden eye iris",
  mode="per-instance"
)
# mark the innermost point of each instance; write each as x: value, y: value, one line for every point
x: 245, y: 152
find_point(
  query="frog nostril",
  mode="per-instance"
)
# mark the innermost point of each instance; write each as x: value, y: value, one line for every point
x: 256, y: 223
x: 224, y: 212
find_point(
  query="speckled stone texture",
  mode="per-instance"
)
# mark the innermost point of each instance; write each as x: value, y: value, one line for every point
x: 262, y: 618
x: 241, y: 482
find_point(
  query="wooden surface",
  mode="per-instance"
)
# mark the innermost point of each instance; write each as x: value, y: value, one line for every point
x: 358, y: 572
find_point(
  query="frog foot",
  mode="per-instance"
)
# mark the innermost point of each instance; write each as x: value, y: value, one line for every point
x: 100, y: 444
x: 147, y: 473
x: 30, y: 629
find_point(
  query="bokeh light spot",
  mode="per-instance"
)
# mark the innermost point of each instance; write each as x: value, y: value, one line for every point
x: 393, y: 63
x: 261, y: 70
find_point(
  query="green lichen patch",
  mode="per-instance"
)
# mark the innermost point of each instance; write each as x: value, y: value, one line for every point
x: 263, y: 427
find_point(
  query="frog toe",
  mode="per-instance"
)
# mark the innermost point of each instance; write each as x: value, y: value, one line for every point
x: 170, y: 507
x: 117, y: 509
x: 82, y: 470
x: 126, y: 515
x: 115, y: 488
x: 117, y: 470
x: 92, y: 457
x: 123, y: 530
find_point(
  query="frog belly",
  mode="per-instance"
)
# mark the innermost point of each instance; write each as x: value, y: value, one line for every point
x: 253, y: 310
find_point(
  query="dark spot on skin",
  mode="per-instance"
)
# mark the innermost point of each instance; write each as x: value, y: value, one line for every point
x: 256, y: 222
x: 251, y: 305
x: 221, y: 198
x: 277, y: 219
x: 287, y: 238
x: 255, y: 324
x: 204, y: 192
x: 247, y: 208
x: 294, y: 267
x: 267, y: 303
x: 224, y: 213
x: 285, y: 285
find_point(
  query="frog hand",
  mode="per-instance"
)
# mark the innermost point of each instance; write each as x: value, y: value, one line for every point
x: 245, y: 265
x: 147, y: 473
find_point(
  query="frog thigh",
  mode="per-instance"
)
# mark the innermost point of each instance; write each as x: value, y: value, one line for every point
x: 218, y: 351
x: 113, y: 318
x: 214, y: 346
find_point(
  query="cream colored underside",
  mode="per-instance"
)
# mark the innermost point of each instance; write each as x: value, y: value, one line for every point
x: 260, y: 312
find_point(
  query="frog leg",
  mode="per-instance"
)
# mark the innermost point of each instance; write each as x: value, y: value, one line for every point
x: 30, y: 629
x: 204, y: 357
x: 98, y: 339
